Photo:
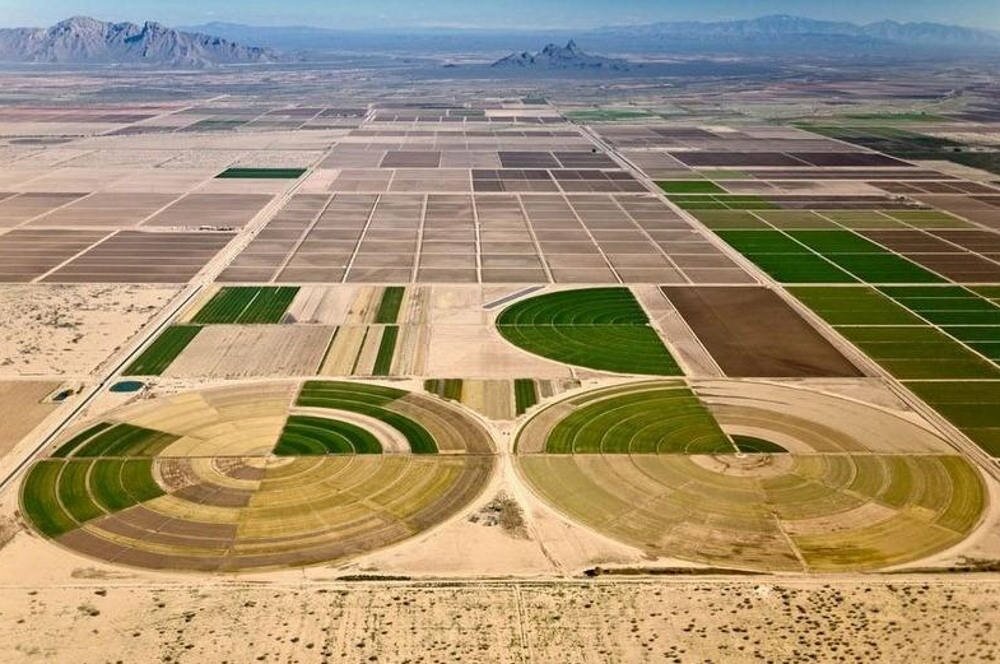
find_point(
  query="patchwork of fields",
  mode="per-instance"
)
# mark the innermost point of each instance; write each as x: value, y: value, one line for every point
x: 421, y: 338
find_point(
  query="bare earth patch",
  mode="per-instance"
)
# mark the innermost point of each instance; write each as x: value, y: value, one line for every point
x: 69, y: 330
x: 649, y: 621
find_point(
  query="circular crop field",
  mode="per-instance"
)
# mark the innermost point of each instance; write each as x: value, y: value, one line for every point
x: 597, y: 328
x: 751, y: 475
x: 262, y: 476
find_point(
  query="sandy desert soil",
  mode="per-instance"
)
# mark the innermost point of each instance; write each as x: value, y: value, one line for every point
x: 22, y: 409
x: 691, y: 620
x: 70, y: 330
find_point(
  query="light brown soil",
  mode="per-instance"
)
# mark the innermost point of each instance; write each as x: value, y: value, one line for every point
x: 21, y: 409
x: 70, y: 330
x: 239, y: 351
x: 733, y: 620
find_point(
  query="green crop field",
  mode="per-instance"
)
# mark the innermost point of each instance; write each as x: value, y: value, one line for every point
x: 247, y: 305
x: 598, y: 328
x: 370, y: 400
x: 972, y: 406
x: 163, y: 351
x: 824, y: 256
x: 690, y: 187
x: 261, y: 173
x: 67, y: 448
x: 309, y: 436
x: 648, y: 420
x: 40, y: 499
x: 386, y: 350
x: 117, y: 440
x: 59, y: 495
x: 906, y: 346
x: 446, y: 388
x: 525, y: 395
x: 388, y: 310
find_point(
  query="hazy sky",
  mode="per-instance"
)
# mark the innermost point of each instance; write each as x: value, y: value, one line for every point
x: 490, y: 13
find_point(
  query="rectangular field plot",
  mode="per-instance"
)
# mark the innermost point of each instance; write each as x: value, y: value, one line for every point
x: 825, y: 256
x: 908, y: 347
x: 143, y: 257
x: 246, y: 305
x: 26, y: 255
x: 157, y: 357
x: 261, y: 174
x: 784, y: 259
x: 240, y: 351
x: 444, y: 238
x: 105, y: 210
x: 972, y: 406
x: 210, y: 210
x: 22, y: 408
x: 753, y: 332
x: 17, y: 209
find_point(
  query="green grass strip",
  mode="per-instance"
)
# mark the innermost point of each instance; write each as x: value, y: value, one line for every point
x: 388, y: 309
x: 386, y: 350
x: 261, y: 174
x: 690, y: 187
x: 525, y: 395
x: 161, y: 353
x: 269, y: 306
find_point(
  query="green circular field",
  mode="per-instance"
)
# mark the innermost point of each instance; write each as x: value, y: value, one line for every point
x: 598, y: 328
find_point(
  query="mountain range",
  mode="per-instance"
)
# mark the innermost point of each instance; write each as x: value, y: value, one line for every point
x: 777, y: 33
x: 83, y: 40
x: 557, y: 57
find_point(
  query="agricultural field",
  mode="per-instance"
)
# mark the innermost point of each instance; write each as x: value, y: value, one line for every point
x: 598, y: 328
x: 276, y: 476
x: 261, y: 173
x: 163, y: 351
x: 656, y: 465
x: 246, y: 306
x: 469, y: 372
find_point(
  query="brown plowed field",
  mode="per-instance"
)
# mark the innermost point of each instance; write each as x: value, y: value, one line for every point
x: 751, y: 332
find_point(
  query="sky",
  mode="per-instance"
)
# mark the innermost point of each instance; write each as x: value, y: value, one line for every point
x: 490, y: 13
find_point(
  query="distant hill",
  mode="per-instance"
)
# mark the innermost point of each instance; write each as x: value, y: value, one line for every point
x: 82, y: 40
x: 764, y: 35
x: 561, y: 58
x: 783, y: 31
